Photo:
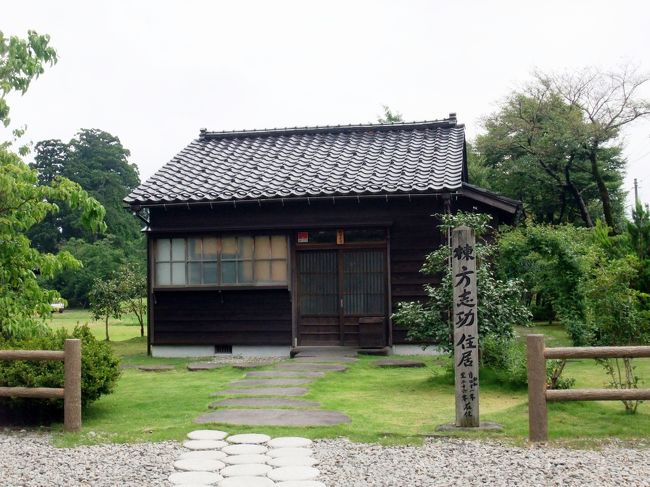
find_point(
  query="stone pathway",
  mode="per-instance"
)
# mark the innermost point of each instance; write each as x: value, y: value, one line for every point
x: 267, y: 397
x: 247, y: 460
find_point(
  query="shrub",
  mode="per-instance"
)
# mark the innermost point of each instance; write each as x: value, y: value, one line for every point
x: 99, y: 367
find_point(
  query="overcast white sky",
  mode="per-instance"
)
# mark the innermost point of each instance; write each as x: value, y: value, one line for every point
x: 154, y: 72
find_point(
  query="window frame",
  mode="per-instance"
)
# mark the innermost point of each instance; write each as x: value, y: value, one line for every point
x: 237, y: 261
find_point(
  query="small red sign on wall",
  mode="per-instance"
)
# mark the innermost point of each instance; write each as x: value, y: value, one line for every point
x: 303, y: 237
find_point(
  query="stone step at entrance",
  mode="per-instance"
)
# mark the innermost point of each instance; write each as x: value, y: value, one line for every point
x: 274, y: 417
x: 270, y: 382
x: 264, y: 402
x: 323, y: 359
x: 263, y: 391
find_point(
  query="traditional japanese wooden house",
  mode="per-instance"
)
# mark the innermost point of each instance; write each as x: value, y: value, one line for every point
x: 264, y: 240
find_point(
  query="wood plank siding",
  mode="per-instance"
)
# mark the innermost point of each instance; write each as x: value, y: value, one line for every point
x: 264, y: 316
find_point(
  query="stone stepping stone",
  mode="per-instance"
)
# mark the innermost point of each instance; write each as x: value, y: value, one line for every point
x: 197, y: 478
x: 390, y: 362
x: 290, y: 452
x: 246, y: 459
x: 265, y: 402
x: 312, y: 367
x: 274, y: 417
x: 284, y: 373
x: 292, y: 461
x: 204, y: 455
x: 196, y: 366
x: 300, y: 483
x: 199, y: 465
x: 330, y: 359
x: 207, y: 435
x: 270, y: 382
x: 247, y: 482
x: 246, y: 470
x: 155, y: 368
x: 290, y: 442
x: 263, y: 391
x: 204, y: 444
x: 244, y: 449
x: 293, y: 473
x: 249, y: 438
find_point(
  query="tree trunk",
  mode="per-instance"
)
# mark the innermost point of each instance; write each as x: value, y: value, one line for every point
x: 106, y: 326
x: 602, y: 188
x: 584, y: 213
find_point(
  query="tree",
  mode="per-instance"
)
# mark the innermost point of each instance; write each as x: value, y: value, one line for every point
x: 608, y: 101
x: 24, y: 304
x: 390, y: 116
x: 534, y: 146
x: 106, y: 301
x: 134, y: 285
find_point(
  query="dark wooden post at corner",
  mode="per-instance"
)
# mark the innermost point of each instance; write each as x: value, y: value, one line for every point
x: 465, y: 325
x: 72, y: 386
x: 71, y: 390
x: 537, y: 412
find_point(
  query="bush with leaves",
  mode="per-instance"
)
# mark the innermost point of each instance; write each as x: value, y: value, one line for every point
x: 500, y: 304
x: 106, y: 299
x: 99, y: 367
x: 134, y: 289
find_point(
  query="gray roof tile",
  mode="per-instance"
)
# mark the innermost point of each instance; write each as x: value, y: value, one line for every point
x: 283, y: 163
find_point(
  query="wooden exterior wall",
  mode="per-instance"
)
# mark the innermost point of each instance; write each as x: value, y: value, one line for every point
x: 264, y: 316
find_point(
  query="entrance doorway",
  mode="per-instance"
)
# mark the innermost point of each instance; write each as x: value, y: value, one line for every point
x: 337, y: 287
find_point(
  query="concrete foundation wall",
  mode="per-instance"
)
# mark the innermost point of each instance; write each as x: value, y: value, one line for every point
x: 179, y: 351
x: 260, y: 351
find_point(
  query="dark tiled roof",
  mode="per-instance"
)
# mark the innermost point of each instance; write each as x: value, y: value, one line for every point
x: 285, y: 163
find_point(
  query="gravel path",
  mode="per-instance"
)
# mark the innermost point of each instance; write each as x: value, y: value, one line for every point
x: 447, y: 462
x: 28, y: 459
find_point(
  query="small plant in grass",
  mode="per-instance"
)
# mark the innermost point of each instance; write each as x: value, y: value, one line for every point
x: 106, y: 300
x: 134, y: 287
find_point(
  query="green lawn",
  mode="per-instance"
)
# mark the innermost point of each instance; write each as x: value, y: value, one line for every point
x: 386, y: 405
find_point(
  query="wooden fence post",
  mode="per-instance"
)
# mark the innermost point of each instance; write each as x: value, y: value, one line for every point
x: 537, y: 412
x: 72, y: 386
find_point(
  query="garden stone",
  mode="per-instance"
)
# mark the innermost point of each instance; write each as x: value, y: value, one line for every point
x: 299, y: 461
x: 313, y: 367
x: 290, y: 442
x: 321, y: 359
x: 284, y: 373
x: 390, y: 362
x: 265, y: 402
x: 196, y: 366
x: 293, y: 473
x: 244, y: 449
x: 290, y: 452
x: 207, y: 435
x: 300, y: 483
x: 246, y: 470
x: 274, y: 417
x: 155, y: 368
x: 199, y: 465
x: 204, y: 444
x: 246, y: 482
x: 264, y: 391
x: 270, y: 382
x: 246, y: 459
x: 201, y: 478
x: 204, y: 454
x: 250, y: 438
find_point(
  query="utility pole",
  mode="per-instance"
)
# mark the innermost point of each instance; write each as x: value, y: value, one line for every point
x: 636, y: 193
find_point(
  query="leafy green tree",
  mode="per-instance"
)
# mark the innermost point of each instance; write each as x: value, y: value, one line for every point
x: 106, y: 298
x: 134, y: 285
x: 24, y: 304
x: 390, y: 116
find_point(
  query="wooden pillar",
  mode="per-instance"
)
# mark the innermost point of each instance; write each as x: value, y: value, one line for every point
x: 465, y: 323
x: 537, y: 412
x: 72, y: 386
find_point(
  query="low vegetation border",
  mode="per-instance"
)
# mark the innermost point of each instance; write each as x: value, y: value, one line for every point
x: 538, y: 396
x: 71, y: 390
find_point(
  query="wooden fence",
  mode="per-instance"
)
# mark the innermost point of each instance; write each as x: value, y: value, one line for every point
x: 538, y: 396
x: 71, y: 390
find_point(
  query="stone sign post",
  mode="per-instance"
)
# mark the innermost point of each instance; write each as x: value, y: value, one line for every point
x: 465, y: 322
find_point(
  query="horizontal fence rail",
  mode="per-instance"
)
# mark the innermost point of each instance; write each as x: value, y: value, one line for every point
x: 538, y: 396
x: 71, y: 390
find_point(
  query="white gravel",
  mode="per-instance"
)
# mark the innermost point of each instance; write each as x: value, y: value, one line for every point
x: 453, y: 462
x: 28, y: 459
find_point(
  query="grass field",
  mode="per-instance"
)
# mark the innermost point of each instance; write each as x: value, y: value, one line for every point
x: 386, y: 405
